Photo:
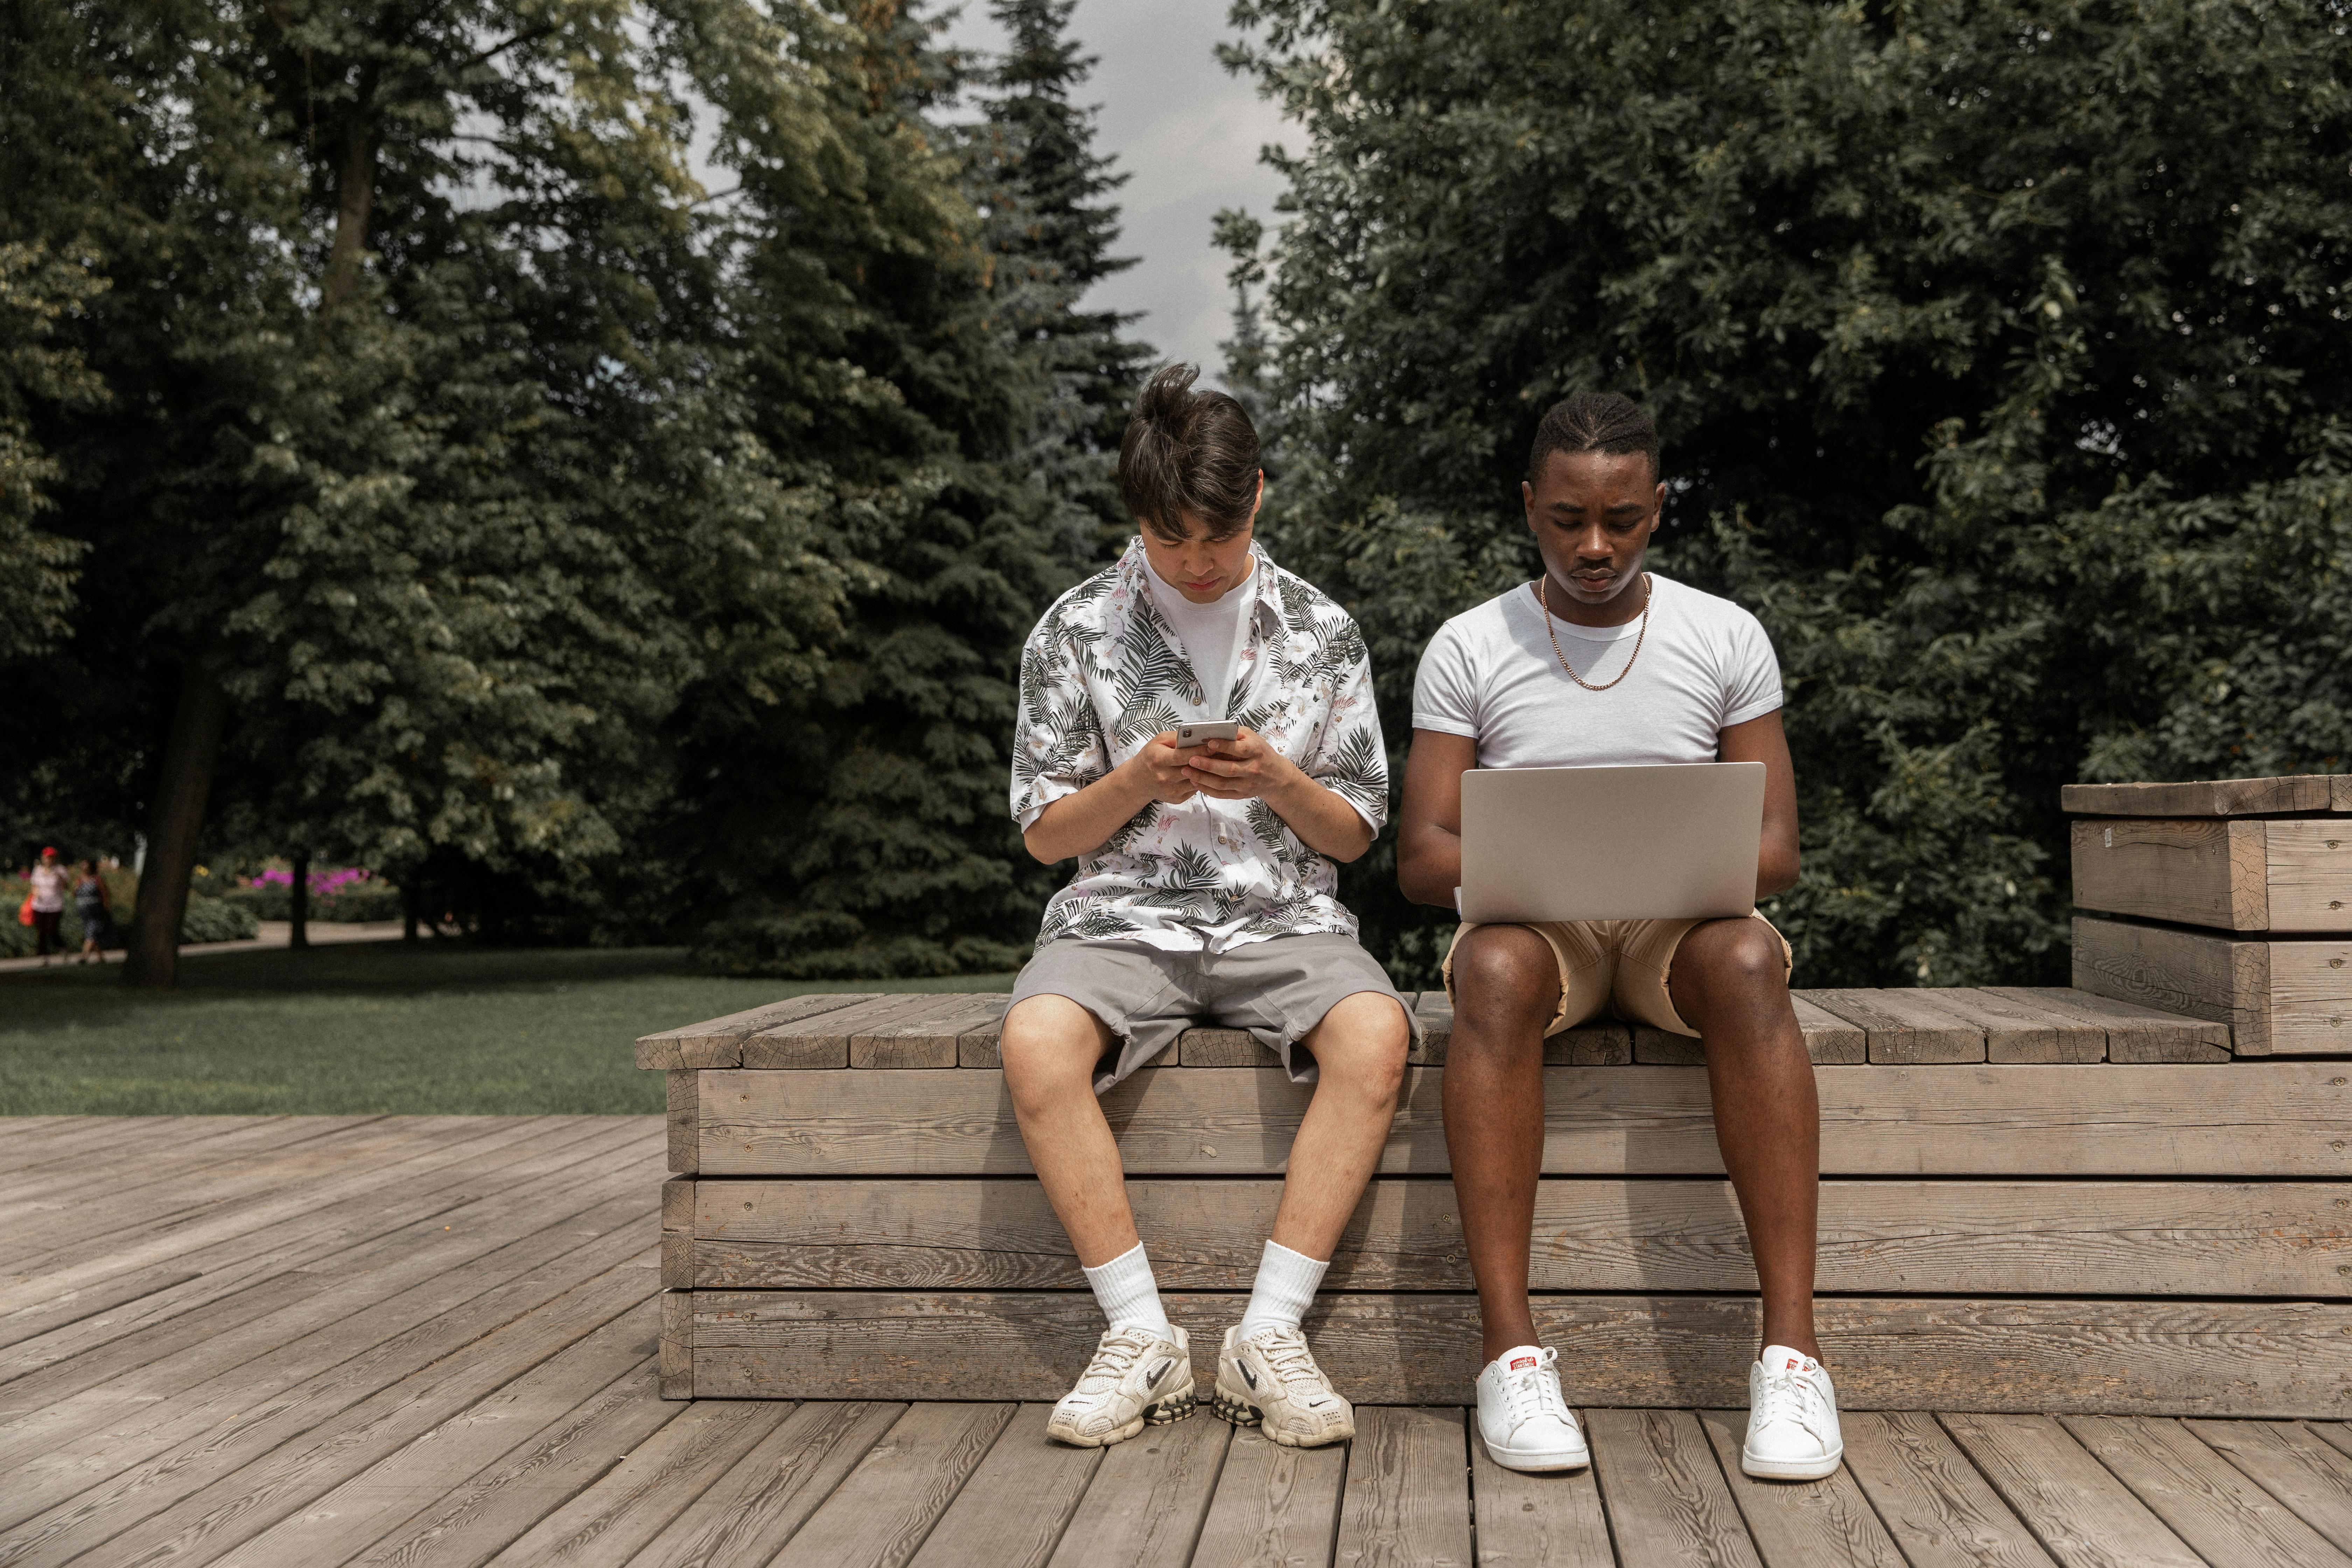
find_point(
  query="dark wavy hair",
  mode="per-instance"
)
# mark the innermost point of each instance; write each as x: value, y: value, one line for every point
x: 1607, y: 422
x: 1188, y: 450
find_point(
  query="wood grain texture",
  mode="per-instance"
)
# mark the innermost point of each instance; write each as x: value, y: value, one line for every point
x: 2025, y: 1029
x: 2181, y: 972
x: 2308, y: 1475
x: 2200, y: 1495
x: 928, y: 1036
x: 879, y: 1514
x: 1600, y: 1042
x: 1011, y: 1511
x: 1666, y: 1494
x: 626, y: 1508
x: 823, y: 1040
x: 2083, y: 1516
x: 677, y: 1345
x: 1820, y: 1524
x: 1903, y: 1027
x: 2307, y: 870
x: 1407, y: 1502
x: 752, y: 1509
x: 719, y: 1043
x: 2194, y: 871
x: 1274, y: 1507
x: 2310, y: 997
x: 2213, y: 798
x: 1982, y: 1237
x: 2133, y: 1033
x: 1829, y: 1039
x: 685, y: 1146
x: 1934, y: 1503
x: 1149, y: 1498
x: 1547, y: 1521
x: 2282, y: 1119
x: 2132, y: 1356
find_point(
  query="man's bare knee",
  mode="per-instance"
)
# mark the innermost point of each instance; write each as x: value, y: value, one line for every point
x: 1734, y: 956
x: 1359, y: 1048
x: 1505, y: 975
x: 1048, y: 1047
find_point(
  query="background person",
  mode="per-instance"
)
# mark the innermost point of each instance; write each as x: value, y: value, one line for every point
x: 97, y: 915
x: 1594, y: 664
x: 1204, y: 887
x: 48, y: 879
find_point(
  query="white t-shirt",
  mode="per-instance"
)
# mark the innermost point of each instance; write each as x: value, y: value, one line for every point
x: 1490, y: 673
x: 48, y: 889
x: 1210, y: 632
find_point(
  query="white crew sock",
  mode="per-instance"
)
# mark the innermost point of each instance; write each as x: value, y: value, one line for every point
x: 1286, y: 1283
x: 1128, y: 1294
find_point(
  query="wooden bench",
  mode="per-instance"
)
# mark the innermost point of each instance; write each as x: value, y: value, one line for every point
x: 2033, y: 1200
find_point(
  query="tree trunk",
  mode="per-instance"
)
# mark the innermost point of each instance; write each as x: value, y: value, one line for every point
x: 177, y: 819
x: 407, y: 910
x: 354, y: 199
x: 298, y: 910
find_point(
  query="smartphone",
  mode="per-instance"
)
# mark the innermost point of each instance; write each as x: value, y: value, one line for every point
x: 1193, y: 734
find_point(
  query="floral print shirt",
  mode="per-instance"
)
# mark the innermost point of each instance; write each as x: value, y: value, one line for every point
x: 1103, y: 672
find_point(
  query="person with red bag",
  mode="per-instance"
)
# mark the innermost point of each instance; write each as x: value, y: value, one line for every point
x: 48, y: 905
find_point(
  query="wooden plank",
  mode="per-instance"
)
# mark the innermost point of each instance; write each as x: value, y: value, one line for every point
x: 484, y: 1512
x: 2134, y: 1033
x: 2310, y: 1477
x: 1941, y: 1512
x: 1829, y: 1039
x: 686, y: 1094
x: 2203, y: 872
x: 254, y: 1463
x: 677, y: 1349
x: 1906, y: 1026
x: 2083, y: 1516
x: 750, y: 1512
x: 2219, y: 1512
x: 1665, y: 1495
x: 1820, y: 1524
x: 925, y: 1036
x: 1211, y: 1046
x: 1985, y: 1236
x: 1011, y: 1511
x: 1149, y: 1498
x: 378, y: 1484
x: 879, y: 1514
x: 2183, y: 1357
x: 2279, y: 1118
x: 822, y: 1041
x: 181, y: 1168
x: 626, y: 1507
x: 1407, y: 1502
x: 1274, y: 1507
x: 2210, y: 797
x: 2308, y: 875
x: 2184, y: 972
x: 719, y: 1043
x: 678, y: 1234
x: 2026, y: 1030
x: 1548, y: 1520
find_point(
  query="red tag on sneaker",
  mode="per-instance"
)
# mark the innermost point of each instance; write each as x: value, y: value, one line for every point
x: 1795, y: 1365
x: 1523, y: 1362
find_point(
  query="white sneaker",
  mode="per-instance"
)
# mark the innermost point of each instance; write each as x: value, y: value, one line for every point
x: 1792, y: 1422
x: 1271, y: 1378
x: 1136, y: 1376
x: 1522, y: 1418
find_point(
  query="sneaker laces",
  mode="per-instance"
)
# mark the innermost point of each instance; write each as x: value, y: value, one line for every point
x: 1788, y: 1395
x: 1528, y: 1392
x: 1119, y: 1349
x: 1287, y: 1357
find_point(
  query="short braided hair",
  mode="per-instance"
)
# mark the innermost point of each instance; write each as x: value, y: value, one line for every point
x: 1606, y: 422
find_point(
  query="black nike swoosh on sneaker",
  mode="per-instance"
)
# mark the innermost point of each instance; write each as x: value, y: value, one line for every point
x: 1247, y: 1375
x: 1158, y: 1373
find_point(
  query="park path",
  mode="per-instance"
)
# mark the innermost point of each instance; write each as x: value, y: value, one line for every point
x: 273, y: 933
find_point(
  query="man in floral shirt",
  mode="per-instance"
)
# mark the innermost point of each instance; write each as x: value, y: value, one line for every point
x: 1204, y: 889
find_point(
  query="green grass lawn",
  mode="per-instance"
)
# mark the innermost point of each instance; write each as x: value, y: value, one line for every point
x: 435, y: 1028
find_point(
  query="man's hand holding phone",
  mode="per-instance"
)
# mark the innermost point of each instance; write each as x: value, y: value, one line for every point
x: 1242, y: 768
x: 1164, y: 770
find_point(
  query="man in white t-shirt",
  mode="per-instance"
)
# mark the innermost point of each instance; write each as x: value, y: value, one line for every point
x: 1600, y: 663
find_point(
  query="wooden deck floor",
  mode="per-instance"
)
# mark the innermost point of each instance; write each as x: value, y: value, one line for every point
x: 308, y: 1341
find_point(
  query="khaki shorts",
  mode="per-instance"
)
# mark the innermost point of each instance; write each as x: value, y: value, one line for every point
x: 1621, y: 965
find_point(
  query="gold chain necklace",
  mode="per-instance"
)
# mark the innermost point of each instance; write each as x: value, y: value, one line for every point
x: 1545, y: 581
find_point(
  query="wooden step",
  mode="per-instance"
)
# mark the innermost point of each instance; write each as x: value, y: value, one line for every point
x: 2286, y: 997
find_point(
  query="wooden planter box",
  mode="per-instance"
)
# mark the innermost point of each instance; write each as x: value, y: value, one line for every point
x: 2033, y: 1200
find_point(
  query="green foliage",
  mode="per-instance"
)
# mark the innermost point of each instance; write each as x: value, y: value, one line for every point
x: 1997, y: 353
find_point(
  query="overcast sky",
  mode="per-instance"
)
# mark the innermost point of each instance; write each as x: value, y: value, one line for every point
x: 1188, y: 134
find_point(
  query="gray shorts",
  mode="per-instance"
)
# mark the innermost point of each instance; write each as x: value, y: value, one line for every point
x: 1277, y: 989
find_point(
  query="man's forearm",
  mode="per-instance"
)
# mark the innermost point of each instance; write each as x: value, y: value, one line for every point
x: 1429, y: 866
x: 1321, y: 817
x: 1081, y: 824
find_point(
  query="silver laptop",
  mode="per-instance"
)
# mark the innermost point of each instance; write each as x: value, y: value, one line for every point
x: 1610, y: 844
